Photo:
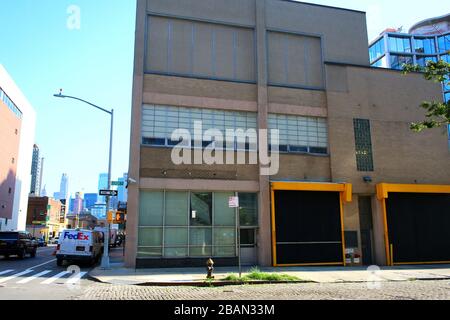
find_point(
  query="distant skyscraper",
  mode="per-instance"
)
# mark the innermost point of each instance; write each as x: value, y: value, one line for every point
x: 64, y: 187
x: 37, y: 167
x: 44, y: 191
x: 77, y: 204
x: 90, y: 199
x: 102, y: 185
x: 123, y: 191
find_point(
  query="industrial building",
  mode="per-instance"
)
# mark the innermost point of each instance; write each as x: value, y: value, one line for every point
x: 350, y: 169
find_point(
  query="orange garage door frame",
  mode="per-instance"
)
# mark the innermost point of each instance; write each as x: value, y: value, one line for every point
x: 345, y: 190
x: 383, y: 190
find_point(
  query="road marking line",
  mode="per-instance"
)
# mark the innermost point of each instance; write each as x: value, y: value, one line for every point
x: 56, y: 277
x: 15, y: 275
x: 5, y: 272
x: 76, y: 278
x: 29, y: 279
x: 42, y: 264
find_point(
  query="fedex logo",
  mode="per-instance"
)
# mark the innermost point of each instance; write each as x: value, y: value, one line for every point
x: 78, y: 236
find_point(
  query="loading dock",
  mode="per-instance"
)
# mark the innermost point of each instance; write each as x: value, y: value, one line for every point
x: 307, y: 223
x: 416, y: 223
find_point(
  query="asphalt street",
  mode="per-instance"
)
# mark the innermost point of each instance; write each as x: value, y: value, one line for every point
x: 40, y: 278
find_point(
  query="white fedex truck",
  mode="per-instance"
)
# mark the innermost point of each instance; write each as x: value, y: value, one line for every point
x: 79, y: 246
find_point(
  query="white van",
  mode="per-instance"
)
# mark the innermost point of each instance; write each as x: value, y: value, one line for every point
x: 79, y: 245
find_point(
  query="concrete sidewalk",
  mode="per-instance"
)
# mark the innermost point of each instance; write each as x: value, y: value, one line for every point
x: 120, y: 275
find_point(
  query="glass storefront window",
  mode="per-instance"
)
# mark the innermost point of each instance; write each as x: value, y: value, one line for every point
x: 177, y: 232
x: 224, y: 251
x: 149, y: 252
x: 248, y: 238
x: 204, y: 251
x: 223, y: 214
x: 175, y: 252
x: 224, y: 236
x: 248, y: 209
x: 176, y: 208
x: 150, y: 237
x: 151, y: 208
x: 174, y: 237
x: 201, y: 209
x: 200, y: 237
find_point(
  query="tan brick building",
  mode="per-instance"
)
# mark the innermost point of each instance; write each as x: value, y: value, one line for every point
x: 345, y: 144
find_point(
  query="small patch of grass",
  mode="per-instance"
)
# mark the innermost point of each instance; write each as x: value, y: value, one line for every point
x: 256, y: 275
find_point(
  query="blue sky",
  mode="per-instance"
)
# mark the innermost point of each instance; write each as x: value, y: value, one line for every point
x: 95, y: 63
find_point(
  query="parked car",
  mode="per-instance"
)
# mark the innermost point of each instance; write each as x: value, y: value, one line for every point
x: 78, y: 245
x: 41, y: 242
x: 53, y: 240
x: 17, y: 243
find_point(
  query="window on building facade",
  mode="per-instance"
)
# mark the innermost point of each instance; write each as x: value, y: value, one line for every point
x: 300, y: 134
x: 197, y: 49
x: 363, y: 145
x: 399, y: 44
x: 10, y: 104
x: 425, y: 45
x: 397, y: 61
x: 444, y: 43
x: 422, y: 61
x: 159, y: 122
x: 191, y: 224
x: 376, y: 50
x: 446, y: 57
x: 378, y: 63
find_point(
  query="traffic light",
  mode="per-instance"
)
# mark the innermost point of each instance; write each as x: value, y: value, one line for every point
x: 120, y: 217
x: 110, y: 216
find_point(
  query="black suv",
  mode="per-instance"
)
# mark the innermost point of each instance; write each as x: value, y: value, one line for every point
x: 17, y: 243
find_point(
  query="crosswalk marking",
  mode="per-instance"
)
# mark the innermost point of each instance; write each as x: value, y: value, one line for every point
x: 30, y: 275
x: 29, y: 279
x: 15, y: 275
x: 76, y: 278
x: 55, y: 277
x: 5, y: 272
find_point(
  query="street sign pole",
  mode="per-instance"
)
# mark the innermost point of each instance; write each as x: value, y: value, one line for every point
x: 105, y: 258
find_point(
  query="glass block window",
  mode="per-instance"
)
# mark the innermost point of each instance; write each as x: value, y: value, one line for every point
x: 399, y: 44
x: 158, y: 122
x: 363, y: 145
x: 425, y: 45
x: 376, y: 50
x: 300, y: 134
x: 397, y: 61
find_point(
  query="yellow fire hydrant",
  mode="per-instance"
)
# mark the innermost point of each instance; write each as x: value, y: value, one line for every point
x: 210, y: 268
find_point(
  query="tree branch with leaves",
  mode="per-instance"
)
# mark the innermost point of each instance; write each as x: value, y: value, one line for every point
x: 438, y: 112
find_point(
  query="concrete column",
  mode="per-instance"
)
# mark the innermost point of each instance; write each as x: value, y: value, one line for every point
x: 135, y: 143
x: 264, y: 239
x: 378, y: 232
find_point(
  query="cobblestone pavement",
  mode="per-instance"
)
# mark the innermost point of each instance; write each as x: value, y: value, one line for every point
x: 420, y: 290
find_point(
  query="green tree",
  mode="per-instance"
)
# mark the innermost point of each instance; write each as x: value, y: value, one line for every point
x: 438, y: 113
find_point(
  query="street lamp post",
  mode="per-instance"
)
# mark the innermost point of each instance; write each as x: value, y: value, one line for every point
x: 105, y: 258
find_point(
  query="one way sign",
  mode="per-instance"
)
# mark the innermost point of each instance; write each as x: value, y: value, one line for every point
x: 111, y: 193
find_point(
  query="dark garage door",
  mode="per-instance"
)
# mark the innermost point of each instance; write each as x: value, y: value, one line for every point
x: 419, y: 227
x: 308, y: 227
